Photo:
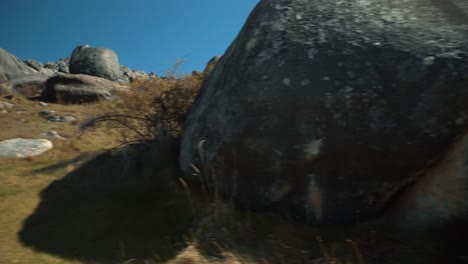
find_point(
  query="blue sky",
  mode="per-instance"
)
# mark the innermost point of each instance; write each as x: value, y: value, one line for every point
x: 146, y: 34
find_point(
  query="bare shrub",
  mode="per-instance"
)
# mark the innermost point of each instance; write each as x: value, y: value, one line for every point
x: 154, y: 107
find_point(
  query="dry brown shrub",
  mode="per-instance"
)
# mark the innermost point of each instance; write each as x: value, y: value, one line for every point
x: 153, y: 107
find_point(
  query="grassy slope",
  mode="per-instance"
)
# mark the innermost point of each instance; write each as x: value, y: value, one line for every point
x: 20, y: 184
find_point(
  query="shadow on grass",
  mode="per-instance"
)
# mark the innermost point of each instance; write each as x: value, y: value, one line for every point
x: 116, y: 207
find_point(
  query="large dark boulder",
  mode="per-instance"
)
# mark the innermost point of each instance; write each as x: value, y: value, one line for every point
x: 329, y: 109
x: 100, y: 62
x: 80, y: 88
x: 11, y: 66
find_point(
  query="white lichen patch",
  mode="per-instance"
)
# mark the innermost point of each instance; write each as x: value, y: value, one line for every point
x: 311, y: 53
x: 351, y: 74
x: 305, y: 82
x: 251, y: 44
x: 348, y: 89
x: 428, y: 61
x: 314, y: 198
x: 312, y: 149
x: 286, y: 81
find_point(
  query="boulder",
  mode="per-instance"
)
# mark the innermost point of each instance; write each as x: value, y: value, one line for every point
x: 11, y: 66
x: 80, y: 88
x: 27, y: 85
x: 62, y: 65
x: 100, y: 62
x: 21, y: 147
x: 330, y: 109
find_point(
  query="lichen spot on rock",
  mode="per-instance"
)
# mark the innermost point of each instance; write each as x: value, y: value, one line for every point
x: 251, y: 44
x: 287, y: 81
x: 311, y: 53
x: 312, y: 149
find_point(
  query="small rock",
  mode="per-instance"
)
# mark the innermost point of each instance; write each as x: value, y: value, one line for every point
x: 56, y: 119
x: 43, y: 104
x: 21, y: 147
x: 46, y: 113
x: 69, y: 118
x: 52, y: 134
x: 3, y: 111
x: 62, y: 119
x: 21, y: 112
x: 5, y: 105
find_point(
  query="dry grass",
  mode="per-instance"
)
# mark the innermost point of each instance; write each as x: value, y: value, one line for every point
x: 154, y: 107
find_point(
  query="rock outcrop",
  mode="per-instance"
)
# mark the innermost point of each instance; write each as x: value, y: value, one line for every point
x: 34, y: 64
x: 30, y: 85
x: 11, y: 66
x: 21, y: 147
x: 80, y: 88
x: 62, y: 65
x: 330, y: 109
x: 100, y: 62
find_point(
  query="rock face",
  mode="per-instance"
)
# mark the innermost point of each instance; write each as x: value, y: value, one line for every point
x: 27, y: 85
x: 79, y: 88
x: 11, y: 66
x: 331, y: 108
x: 100, y: 62
x: 21, y: 147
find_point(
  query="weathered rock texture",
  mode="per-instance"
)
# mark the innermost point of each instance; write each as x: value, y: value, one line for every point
x: 34, y: 64
x: 331, y: 108
x: 27, y: 85
x: 11, y: 66
x: 80, y: 88
x: 21, y: 147
x: 100, y: 62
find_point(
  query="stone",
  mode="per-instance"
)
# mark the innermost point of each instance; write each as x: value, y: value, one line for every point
x: 21, y: 147
x: 61, y: 119
x: 62, y: 65
x: 100, y: 62
x: 3, y: 111
x: 5, y: 105
x: 46, y: 113
x: 329, y: 110
x: 80, y: 88
x: 53, y: 134
x: 43, y: 104
x: 34, y: 64
x: 11, y: 66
